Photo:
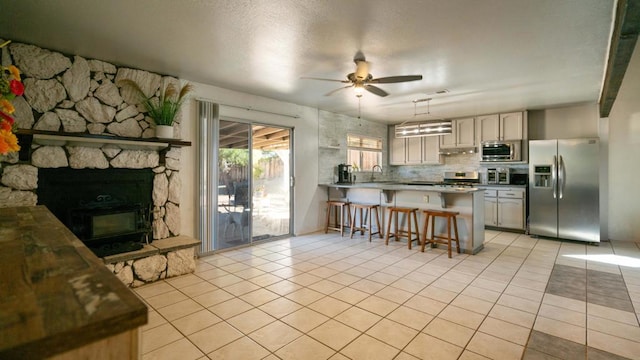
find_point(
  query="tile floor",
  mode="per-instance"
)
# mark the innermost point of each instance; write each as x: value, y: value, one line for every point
x: 325, y: 297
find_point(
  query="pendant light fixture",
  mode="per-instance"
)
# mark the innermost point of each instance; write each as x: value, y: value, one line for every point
x: 423, y: 128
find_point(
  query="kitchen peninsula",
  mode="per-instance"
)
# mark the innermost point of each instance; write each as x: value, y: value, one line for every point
x: 468, y: 201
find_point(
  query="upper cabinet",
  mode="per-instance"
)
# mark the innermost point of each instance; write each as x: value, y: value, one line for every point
x: 463, y: 134
x: 499, y: 127
x: 413, y: 150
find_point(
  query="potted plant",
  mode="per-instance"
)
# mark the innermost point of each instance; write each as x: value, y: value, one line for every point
x: 164, y: 108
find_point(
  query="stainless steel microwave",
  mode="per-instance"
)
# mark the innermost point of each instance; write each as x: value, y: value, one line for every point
x: 501, y: 151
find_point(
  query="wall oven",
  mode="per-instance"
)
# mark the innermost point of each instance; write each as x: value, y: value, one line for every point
x: 500, y: 151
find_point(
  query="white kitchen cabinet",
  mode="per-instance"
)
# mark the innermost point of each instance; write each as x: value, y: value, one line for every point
x: 498, y: 127
x: 511, y: 125
x: 505, y: 207
x: 431, y: 150
x: 463, y: 134
x: 413, y: 150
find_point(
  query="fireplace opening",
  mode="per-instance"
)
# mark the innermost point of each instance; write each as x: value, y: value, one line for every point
x: 109, y: 209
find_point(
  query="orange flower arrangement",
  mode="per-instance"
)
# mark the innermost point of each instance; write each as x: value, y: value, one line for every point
x: 10, y: 87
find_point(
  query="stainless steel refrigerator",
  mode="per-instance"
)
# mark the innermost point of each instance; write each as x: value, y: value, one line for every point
x: 564, y: 189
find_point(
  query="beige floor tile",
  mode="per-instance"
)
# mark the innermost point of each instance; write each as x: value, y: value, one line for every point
x: 259, y: 297
x: 489, y: 284
x: 564, y: 302
x: 562, y: 314
x: 270, y: 266
x: 283, y: 287
x: 449, y: 331
x: 519, y: 303
x: 358, y: 319
x: 469, y: 355
x: 473, y: 304
x: 404, y: 356
x: 349, y: 295
x: 304, y: 319
x: 241, y: 287
x: 613, y: 344
x: 180, y: 309
x: 439, y: 294
x: 394, y: 294
x: 368, y: 286
x: 249, y: 273
x: 392, y: 333
x: 334, y: 334
x: 377, y: 305
x: 494, y: 348
x: 214, y: 337
x: 275, y: 335
x: 323, y: 272
x: 213, y: 297
x: 367, y: 347
x: 462, y: 317
x: 198, y: 289
x: 410, y: 317
x: 265, y: 279
x: 165, y: 299
x: 286, y: 272
x: 537, y: 286
x: 505, y: 330
x: 513, y: 316
x: 344, y: 279
x: 280, y: 307
x: 306, y: 348
x: 480, y: 293
x: 359, y: 271
x: 305, y: 279
x: 251, y: 320
x: 450, y: 285
x: 212, y: 274
x: 183, y: 349
x: 408, y: 285
x: 153, y: 289
x: 235, y: 267
x: 196, y: 322
x: 158, y: 337
x: 426, y: 346
x: 614, y: 328
x: 153, y: 320
x: 243, y: 348
x: 426, y: 305
x: 524, y: 292
x: 326, y: 287
x: 230, y: 308
x: 329, y: 306
x: 383, y: 278
x: 612, y: 314
x: 179, y: 282
x: 305, y: 296
x: 225, y: 280
x: 560, y: 329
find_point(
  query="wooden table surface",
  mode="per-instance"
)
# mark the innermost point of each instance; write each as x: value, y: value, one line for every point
x: 55, y: 294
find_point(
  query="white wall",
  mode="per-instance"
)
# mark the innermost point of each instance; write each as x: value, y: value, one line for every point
x: 575, y: 121
x: 307, y: 196
x: 624, y: 152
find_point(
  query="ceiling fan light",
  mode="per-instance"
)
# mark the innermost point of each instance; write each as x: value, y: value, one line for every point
x: 358, y: 89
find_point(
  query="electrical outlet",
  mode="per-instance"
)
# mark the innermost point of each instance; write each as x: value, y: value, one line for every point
x: 425, y: 198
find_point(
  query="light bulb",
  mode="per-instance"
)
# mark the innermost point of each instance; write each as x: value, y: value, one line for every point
x: 358, y: 90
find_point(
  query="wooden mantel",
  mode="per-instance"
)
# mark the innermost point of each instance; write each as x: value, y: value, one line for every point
x: 58, y: 299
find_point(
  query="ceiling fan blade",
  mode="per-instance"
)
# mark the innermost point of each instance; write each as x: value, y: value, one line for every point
x: 395, y: 79
x: 376, y: 90
x: 336, y: 90
x: 315, y: 78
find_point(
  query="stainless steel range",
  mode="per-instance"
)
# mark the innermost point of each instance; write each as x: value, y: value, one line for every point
x: 456, y: 179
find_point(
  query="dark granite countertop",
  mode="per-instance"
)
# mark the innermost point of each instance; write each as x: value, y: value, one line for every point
x: 56, y: 294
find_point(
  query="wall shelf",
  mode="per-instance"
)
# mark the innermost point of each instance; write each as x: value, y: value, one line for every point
x: 26, y: 137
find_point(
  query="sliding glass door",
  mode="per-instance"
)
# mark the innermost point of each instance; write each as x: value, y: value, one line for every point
x: 253, y: 187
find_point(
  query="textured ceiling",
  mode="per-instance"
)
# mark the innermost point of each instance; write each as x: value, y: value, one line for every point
x: 492, y: 55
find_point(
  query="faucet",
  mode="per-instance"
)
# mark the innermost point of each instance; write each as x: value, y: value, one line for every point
x: 373, y: 170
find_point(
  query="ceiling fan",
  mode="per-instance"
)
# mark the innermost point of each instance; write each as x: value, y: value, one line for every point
x: 361, y: 79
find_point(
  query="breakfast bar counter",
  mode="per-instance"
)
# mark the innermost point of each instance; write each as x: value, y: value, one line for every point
x: 58, y: 299
x: 468, y: 201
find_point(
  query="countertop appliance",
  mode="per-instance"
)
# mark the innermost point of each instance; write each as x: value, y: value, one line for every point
x: 492, y: 151
x: 564, y: 189
x: 344, y: 174
x: 498, y: 176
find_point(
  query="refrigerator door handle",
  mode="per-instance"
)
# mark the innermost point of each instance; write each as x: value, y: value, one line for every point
x: 554, y: 177
x: 561, y: 177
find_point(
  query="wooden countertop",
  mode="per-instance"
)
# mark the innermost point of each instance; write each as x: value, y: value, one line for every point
x: 56, y: 295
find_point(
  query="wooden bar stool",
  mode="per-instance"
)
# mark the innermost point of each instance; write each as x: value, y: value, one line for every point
x: 338, y: 207
x: 437, y: 239
x: 366, y: 223
x: 393, y: 216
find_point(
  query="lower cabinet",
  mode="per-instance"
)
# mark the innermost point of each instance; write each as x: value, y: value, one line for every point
x: 505, y: 207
